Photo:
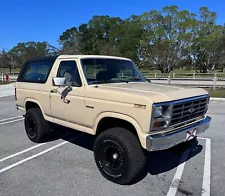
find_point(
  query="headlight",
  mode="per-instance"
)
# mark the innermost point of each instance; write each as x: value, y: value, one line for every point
x: 161, y: 116
x: 158, y: 111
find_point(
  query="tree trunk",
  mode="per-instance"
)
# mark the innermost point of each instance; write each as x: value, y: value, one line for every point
x: 203, y: 70
x: 164, y: 69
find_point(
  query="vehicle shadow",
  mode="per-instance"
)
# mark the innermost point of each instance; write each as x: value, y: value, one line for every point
x: 157, y: 162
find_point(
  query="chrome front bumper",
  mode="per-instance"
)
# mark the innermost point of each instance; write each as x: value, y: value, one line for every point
x: 167, y: 140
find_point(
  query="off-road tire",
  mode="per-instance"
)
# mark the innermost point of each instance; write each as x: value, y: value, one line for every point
x: 41, y: 130
x: 122, y: 145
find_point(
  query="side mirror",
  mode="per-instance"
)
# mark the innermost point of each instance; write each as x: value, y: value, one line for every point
x: 59, y: 81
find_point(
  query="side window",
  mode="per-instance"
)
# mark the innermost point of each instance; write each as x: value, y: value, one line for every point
x: 36, y: 71
x: 69, y: 70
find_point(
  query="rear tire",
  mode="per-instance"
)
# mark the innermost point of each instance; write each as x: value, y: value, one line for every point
x: 119, y: 155
x: 37, y: 128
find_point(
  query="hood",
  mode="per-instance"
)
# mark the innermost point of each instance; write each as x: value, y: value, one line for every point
x: 156, y: 92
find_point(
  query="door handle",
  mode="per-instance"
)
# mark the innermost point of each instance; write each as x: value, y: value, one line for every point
x: 66, y: 100
x: 53, y: 91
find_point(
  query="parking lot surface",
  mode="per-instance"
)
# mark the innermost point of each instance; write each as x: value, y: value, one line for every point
x: 65, y: 165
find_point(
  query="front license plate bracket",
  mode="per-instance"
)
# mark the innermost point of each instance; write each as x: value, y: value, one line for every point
x: 191, y: 134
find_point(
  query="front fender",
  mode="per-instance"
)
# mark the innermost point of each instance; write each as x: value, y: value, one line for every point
x: 140, y: 133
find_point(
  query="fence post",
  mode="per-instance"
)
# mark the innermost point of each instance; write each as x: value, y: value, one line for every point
x: 122, y: 74
x: 155, y: 75
x: 173, y: 75
x: 193, y: 75
x: 169, y: 79
x: 214, y: 83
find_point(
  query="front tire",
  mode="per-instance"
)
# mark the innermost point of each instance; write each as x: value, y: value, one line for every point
x: 118, y: 155
x: 37, y: 128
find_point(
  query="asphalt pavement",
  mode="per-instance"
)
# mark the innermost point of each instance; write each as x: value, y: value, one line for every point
x: 7, y: 90
x: 65, y: 165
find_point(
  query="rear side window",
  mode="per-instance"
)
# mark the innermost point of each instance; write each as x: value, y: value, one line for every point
x: 36, y: 71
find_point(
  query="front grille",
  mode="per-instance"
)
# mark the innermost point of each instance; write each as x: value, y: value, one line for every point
x: 189, y: 109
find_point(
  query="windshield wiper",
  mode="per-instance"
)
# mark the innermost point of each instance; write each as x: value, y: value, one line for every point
x: 115, y: 81
x: 127, y: 80
x: 134, y: 79
x: 105, y: 81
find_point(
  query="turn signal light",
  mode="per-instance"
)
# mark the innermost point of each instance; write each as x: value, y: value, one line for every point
x: 159, y: 124
x: 156, y: 124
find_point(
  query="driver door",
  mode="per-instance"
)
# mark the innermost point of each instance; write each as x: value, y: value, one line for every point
x: 71, y: 109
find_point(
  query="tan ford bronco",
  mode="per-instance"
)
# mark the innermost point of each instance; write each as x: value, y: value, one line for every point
x: 109, y: 97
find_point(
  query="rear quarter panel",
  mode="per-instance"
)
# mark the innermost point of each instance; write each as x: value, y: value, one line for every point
x: 34, y: 92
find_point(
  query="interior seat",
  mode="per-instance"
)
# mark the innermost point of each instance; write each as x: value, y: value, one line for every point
x: 103, y: 75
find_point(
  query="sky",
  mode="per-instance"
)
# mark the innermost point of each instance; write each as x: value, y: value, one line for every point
x: 45, y: 20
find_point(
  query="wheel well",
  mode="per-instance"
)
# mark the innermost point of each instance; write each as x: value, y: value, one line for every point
x: 110, y: 122
x: 31, y: 104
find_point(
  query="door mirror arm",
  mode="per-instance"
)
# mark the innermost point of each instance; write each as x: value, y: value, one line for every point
x: 60, y: 82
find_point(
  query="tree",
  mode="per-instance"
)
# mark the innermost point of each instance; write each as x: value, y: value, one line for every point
x: 5, y: 61
x: 167, y: 35
x: 205, y: 53
x: 86, y: 39
x: 126, y: 38
x: 91, y: 38
x: 100, y: 34
x: 164, y: 40
x: 159, y: 39
x: 28, y: 50
x: 70, y: 42
x: 220, y: 51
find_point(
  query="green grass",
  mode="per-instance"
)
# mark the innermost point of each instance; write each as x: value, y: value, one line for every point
x: 6, y: 70
x: 220, y: 92
x: 2, y: 83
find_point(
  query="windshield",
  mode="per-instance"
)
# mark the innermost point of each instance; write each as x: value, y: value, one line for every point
x: 100, y: 71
